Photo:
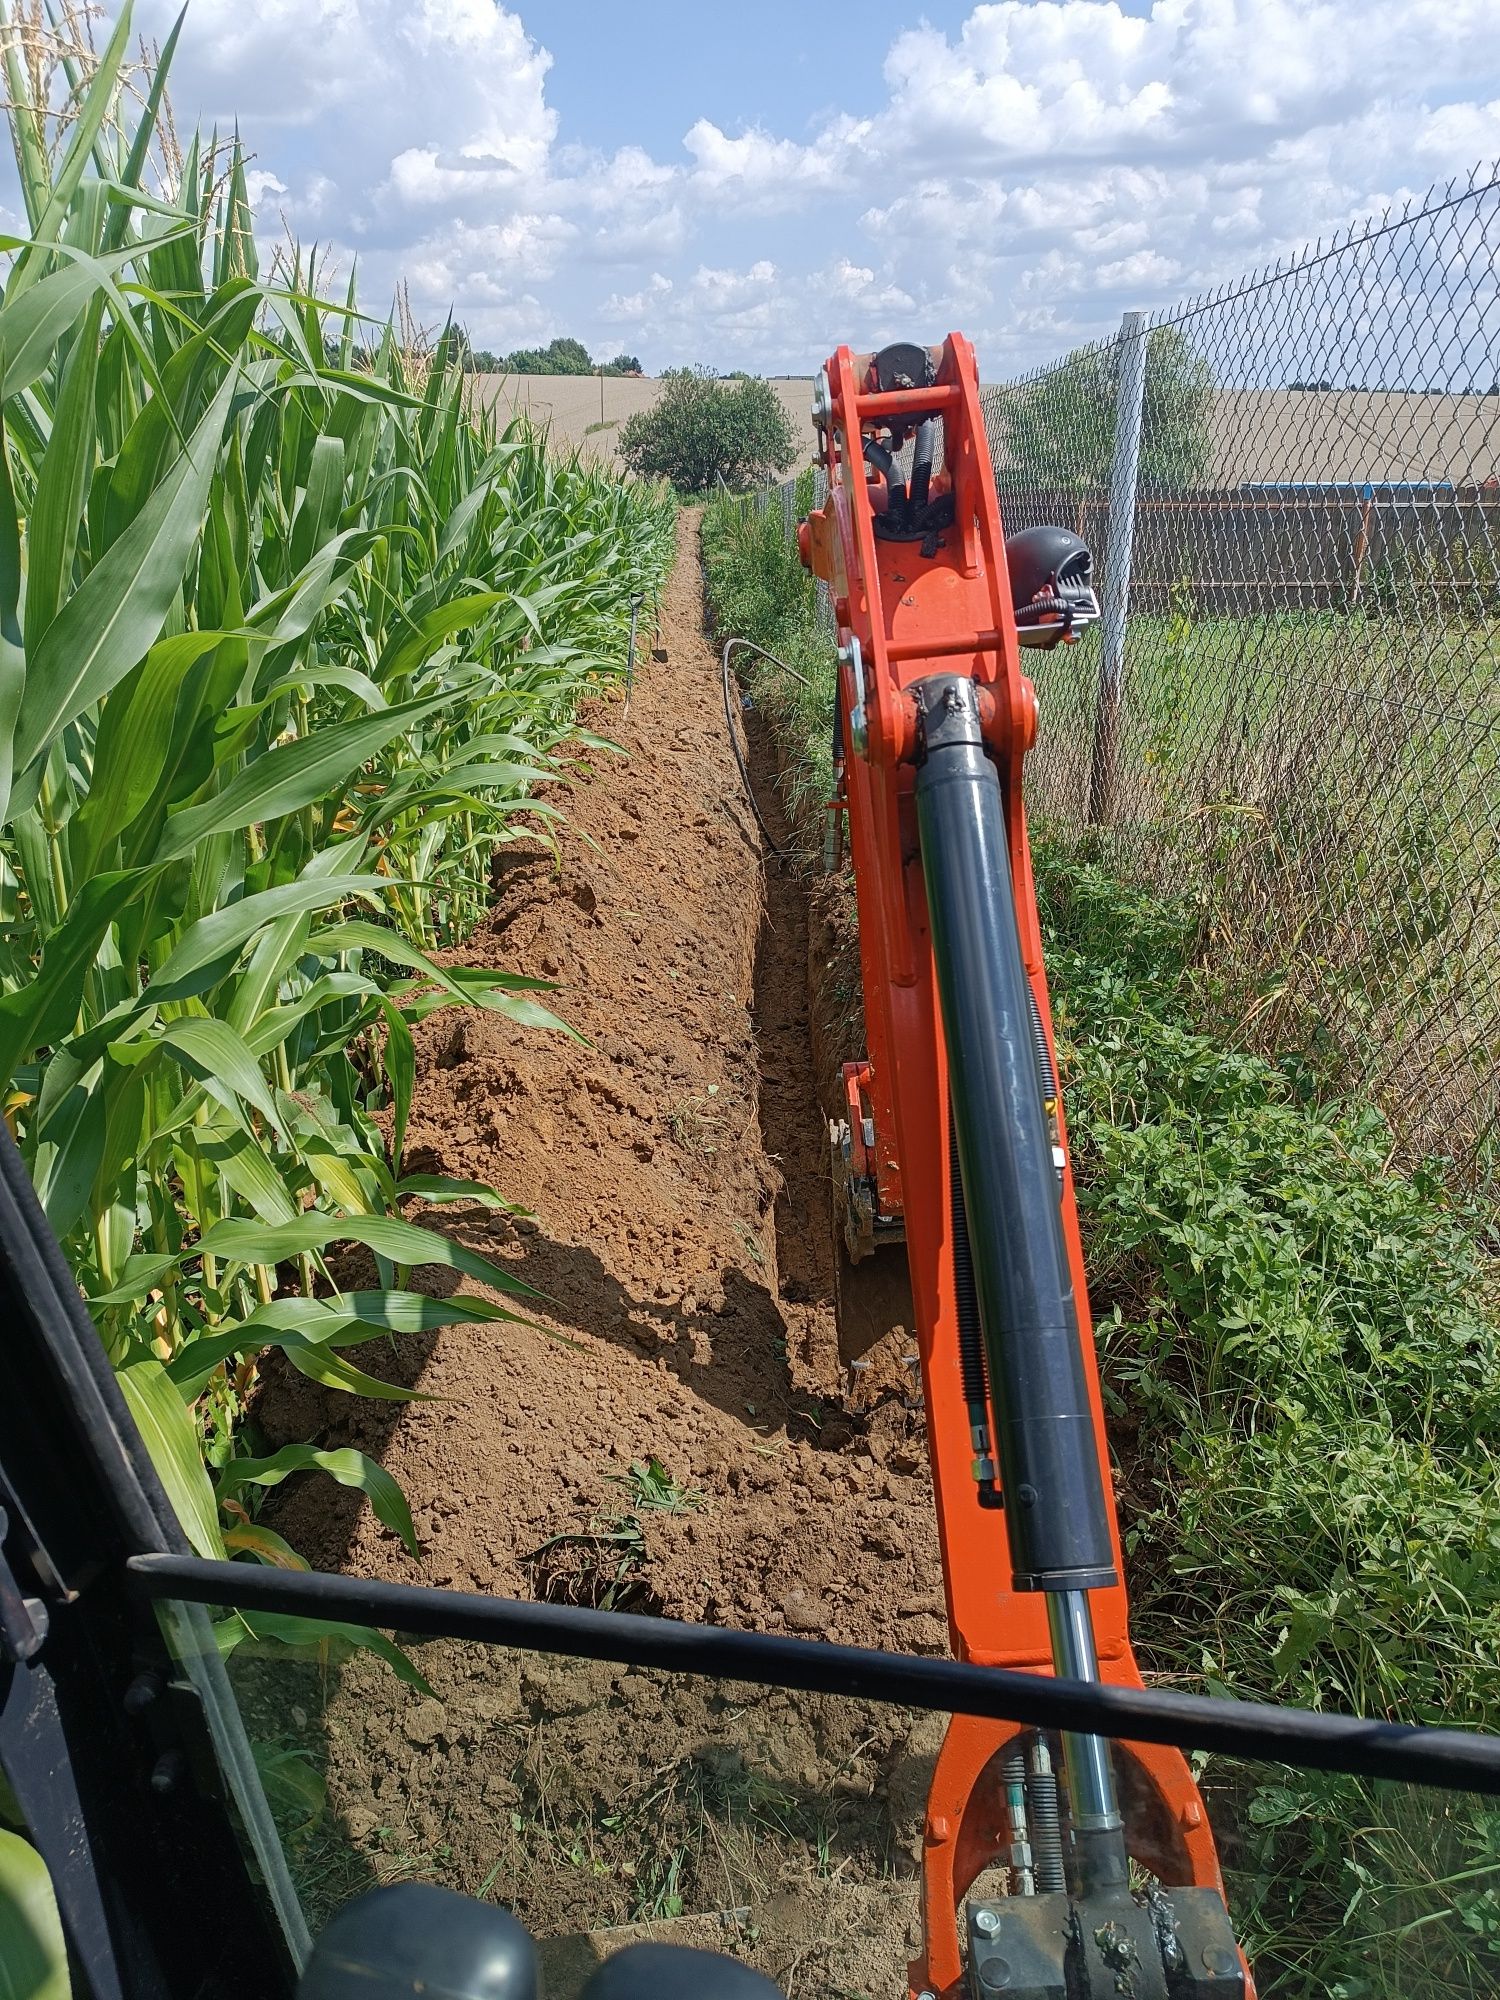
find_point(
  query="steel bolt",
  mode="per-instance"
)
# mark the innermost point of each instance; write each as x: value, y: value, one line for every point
x: 166, y: 1772
x: 986, y: 1922
x: 1218, y: 1959
x: 142, y: 1691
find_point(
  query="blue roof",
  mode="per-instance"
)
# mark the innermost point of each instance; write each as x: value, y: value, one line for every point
x: 1365, y: 489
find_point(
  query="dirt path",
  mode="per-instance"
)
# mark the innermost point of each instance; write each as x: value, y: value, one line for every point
x: 674, y: 1170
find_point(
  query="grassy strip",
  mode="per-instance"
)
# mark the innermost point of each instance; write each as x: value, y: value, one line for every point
x: 758, y: 590
x: 1302, y: 1358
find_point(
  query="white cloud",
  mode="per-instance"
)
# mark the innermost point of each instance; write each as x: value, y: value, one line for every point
x: 755, y: 171
x: 446, y: 87
x: 1078, y: 79
x: 859, y: 285
x: 1026, y: 174
x: 484, y: 266
x: 262, y: 188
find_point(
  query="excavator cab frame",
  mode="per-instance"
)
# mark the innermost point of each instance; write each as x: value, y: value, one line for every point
x: 120, y: 1742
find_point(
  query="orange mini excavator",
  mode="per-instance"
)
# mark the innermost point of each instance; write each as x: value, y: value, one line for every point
x: 955, y: 1141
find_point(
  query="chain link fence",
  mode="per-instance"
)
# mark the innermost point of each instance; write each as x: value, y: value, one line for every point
x: 1290, y: 710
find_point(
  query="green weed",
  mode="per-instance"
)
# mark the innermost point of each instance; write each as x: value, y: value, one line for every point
x: 654, y: 1490
x: 1302, y: 1362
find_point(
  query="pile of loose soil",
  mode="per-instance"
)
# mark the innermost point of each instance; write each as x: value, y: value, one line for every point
x: 674, y: 1173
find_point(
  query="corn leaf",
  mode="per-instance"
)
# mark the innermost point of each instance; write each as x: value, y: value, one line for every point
x: 224, y: 933
x: 250, y: 1538
x: 349, y: 1468
x: 387, y: 1235
x: 286, y: 780
x: 333, y: 1370
x: 171, y: 1439
x: 118, y: 610
x: 211, y: 1051
x: 317, y: 1636
x: 33, y: 1957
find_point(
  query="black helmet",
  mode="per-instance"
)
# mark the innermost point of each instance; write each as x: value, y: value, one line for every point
x: 1051, y: 585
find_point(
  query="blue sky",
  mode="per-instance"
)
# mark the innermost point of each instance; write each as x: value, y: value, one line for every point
x: 623, y: 75
x: 748, y: 186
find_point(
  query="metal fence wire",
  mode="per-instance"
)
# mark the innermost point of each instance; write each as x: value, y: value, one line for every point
x: 1290, y: 710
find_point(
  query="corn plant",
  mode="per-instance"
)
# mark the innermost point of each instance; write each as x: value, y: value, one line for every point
x: 288, y: 636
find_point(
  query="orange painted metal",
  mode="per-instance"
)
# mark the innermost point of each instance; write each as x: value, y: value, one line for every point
x: 914, y: 614
x: 1168, y: 1831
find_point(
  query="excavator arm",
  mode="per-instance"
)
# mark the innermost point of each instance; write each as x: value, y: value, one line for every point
x: 955, y: 1142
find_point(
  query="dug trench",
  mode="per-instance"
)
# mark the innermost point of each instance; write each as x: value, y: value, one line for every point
x: 670, y: 1427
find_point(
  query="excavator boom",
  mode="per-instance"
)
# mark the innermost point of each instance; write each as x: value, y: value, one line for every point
x: 956, y: 1143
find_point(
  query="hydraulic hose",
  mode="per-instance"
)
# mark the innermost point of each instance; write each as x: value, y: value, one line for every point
x: 884, y: 460
x: 750, y: 646
x: 1039, y: 1044
x: 1022, y: 1869
x: 1046, y: 1822
x: 923, y: 452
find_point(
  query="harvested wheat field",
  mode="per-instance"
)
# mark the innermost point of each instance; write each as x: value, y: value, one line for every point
x: 585, y: 412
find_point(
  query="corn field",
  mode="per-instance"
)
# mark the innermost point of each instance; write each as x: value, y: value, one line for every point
x: 288, y: 638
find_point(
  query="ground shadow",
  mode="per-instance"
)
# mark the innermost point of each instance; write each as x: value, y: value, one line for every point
x: 734, y: 1357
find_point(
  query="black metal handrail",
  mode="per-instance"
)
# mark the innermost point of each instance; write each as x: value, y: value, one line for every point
x: 1449, y: 1758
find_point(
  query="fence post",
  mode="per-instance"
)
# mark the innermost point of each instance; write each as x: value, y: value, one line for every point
x: 1124, y: 474
x: 1362, y: 544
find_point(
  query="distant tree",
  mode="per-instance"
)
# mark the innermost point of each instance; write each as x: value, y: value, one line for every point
x: 563, y: 356
x: 568, y: 357
x: 701, y: 430
x: 1061, y: 427
x: 559, y: 357
x: 1325, y: 384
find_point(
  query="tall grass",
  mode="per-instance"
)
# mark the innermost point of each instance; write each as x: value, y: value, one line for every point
x: 286, y: 644
x: 759, y: 590
x: 1328, y: 794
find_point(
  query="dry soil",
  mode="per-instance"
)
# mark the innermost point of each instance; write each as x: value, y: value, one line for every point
x: 673, y: 1170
